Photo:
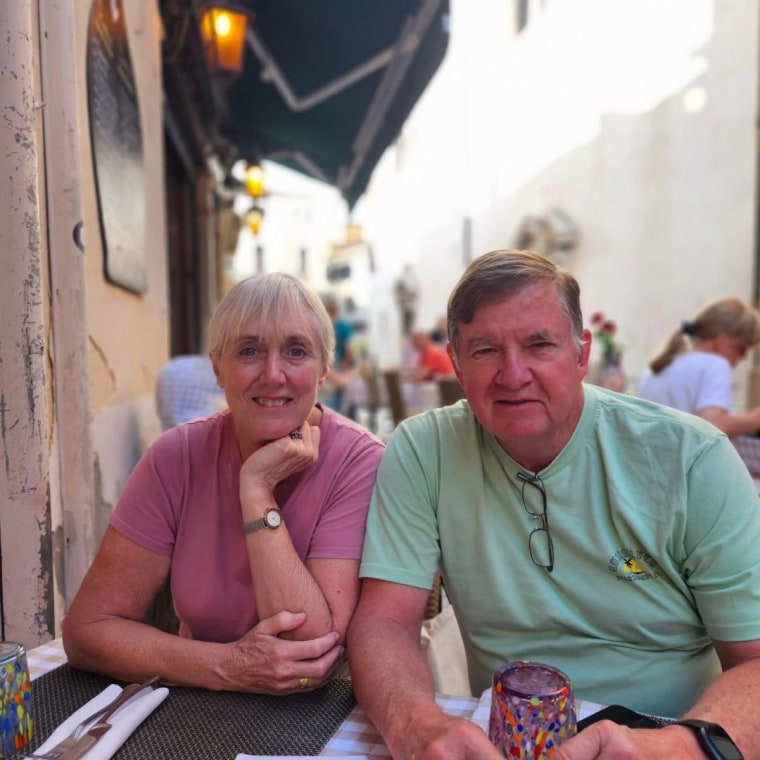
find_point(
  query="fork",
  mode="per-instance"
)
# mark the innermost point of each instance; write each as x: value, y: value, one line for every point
x: 113, y: 706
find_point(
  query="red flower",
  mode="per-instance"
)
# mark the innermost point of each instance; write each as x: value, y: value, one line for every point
x: 604, y: 333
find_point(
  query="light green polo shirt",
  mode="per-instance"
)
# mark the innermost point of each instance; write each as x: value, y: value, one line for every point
x: 656, y: 529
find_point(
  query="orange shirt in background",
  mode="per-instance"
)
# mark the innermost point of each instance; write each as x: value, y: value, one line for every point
x: 435, y: 361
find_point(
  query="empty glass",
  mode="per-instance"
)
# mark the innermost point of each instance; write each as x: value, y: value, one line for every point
x: 532, y: 710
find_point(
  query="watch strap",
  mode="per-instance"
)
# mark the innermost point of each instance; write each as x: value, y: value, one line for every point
x: 256, y: 525
x: 253, y: 526
x: 713, y: 739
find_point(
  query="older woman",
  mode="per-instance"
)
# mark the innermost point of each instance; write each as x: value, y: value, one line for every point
x: 256, y: 513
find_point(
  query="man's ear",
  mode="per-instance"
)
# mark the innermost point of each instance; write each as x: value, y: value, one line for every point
x: 585, y: 352
x: 455, y: 362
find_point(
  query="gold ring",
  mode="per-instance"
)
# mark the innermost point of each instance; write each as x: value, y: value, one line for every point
x: 303, y: 683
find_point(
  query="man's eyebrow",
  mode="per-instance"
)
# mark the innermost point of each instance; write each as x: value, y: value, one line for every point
x: 480, y: 341
x: 544, y: 335
x: 539, y: 335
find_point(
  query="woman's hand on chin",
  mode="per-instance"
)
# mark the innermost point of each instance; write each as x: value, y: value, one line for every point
x: 279, y: 459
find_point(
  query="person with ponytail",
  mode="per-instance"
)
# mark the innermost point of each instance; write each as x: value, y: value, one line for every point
x: 693, y: 371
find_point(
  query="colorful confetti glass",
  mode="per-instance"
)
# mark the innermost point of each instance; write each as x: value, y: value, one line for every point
x: 532, y: 710
x: 16, y: 714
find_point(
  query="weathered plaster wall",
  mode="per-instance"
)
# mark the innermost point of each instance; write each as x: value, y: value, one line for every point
x: 127, y: 334
x: 25, y: 420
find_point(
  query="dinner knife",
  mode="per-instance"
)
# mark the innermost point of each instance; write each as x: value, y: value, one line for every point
x: 63, y: 746
x: 130, y: 694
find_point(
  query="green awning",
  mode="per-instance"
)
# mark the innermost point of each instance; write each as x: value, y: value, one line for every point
x: 327, y: 85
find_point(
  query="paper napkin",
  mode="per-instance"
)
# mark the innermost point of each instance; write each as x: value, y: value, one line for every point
x: 123, y: 723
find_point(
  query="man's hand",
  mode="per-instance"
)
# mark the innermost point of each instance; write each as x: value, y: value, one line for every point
x: 606, y: 740
x: 445, y: 738
x: 262, y: 663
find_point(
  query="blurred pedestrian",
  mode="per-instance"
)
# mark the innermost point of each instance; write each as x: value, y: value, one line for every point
x: 407, y: 295
x: 339, y: 374
x: 344, y: 332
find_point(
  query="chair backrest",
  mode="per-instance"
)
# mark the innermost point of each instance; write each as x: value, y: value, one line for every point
x: 449, y: 390
x: 375, y: 394
x: 395, y: 395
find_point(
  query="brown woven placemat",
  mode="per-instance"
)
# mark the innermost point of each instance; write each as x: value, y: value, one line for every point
x: 198, y: 724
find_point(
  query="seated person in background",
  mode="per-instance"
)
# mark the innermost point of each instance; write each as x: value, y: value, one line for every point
x: 695, y: 375
x: 256, y: 513
x: 344, y: 333
x: 613, y: 538
x: 186, y: 389
x: 439, y: 334
x: 432, y: 360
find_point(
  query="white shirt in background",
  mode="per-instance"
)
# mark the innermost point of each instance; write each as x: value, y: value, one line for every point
x: 691, y: 382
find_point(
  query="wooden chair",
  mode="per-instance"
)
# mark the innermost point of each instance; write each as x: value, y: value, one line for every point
x: 449, y: 390
x: 435, y: 600
x: 395, y: 394
x: 375, y: 396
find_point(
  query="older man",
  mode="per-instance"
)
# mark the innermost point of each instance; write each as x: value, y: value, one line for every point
x: 611, y: 537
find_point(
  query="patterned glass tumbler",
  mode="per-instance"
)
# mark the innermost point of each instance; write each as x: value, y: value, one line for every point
x: 16, y: 714
x: 532, y: 710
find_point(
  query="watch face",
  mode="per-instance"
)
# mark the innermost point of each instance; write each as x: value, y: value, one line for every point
x: 727, y: 749
x: 273, y: 518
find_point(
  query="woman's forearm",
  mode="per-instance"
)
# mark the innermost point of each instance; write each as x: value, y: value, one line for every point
x: 281, y: 581
x: 133, y: 651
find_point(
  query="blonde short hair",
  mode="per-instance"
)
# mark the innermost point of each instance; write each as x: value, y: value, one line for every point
x: 270, y: 299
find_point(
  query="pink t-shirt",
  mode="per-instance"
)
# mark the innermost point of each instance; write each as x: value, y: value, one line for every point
x: 182, y: 501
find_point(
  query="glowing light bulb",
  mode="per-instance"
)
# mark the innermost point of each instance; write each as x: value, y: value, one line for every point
x: 222, y: 23
x: 254, y: 180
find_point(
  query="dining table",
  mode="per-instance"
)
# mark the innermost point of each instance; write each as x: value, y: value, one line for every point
x: 287, y: 725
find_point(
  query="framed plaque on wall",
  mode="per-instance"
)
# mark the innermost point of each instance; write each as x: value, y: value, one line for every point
x: 117, y: 152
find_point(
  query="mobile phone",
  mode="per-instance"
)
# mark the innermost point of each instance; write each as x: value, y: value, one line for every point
x: 621, y: 715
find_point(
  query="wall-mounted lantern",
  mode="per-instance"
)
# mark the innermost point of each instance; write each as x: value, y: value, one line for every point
x: 254, y: 180
x: 223, y: 34
x: 254, y: 218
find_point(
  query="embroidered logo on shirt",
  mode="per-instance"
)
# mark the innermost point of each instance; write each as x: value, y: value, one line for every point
x: 633, y: 565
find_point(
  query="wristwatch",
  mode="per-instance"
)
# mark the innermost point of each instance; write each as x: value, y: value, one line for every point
x: 713, y: 739
x: 272, y: 519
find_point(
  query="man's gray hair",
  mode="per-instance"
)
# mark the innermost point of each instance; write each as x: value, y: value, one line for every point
x: 498, y: 275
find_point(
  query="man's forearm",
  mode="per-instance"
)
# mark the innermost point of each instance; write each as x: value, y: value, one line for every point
x: 731, y: 700
x: 391, y: 679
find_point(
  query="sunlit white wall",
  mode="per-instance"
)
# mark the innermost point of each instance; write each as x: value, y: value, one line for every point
x: 636, y: 117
